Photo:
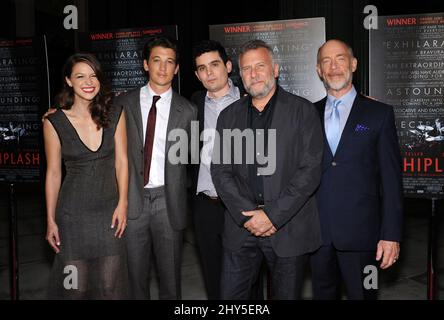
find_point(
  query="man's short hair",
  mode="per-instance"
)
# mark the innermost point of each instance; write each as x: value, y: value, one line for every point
x: 209, y: 46
x: 349, y: 48
x: 163, y: 42
x: 253, y: 45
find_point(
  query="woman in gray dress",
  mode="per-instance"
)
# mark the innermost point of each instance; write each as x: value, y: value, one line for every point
x: 86, y: 214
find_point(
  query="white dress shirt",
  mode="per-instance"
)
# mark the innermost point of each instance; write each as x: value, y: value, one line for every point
x: 213, y: 107
x: 163, y: 105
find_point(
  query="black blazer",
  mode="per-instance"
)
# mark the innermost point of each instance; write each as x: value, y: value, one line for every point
x: 198, y: 99
x: 288, y: 192
x: 360, y: 196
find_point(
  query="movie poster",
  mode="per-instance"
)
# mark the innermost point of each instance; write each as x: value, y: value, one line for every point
x: 120, y: 53
x: 23, y: 93
x: 407, y: 72
x: 295, y: 44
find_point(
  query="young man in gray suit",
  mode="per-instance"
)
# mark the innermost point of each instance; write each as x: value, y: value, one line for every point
x: 157, y: 195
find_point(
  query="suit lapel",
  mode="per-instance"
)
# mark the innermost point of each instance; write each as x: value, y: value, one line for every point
x: 352, y: 120
x: 243, y: 115
x: 173, y: 119
x: 321, y: 108
x: 201, y: 113
x: 278, y: 116
x: 201, y: 118
x: 242, y: 124
x: 278, y: 123
x: 137, y: 114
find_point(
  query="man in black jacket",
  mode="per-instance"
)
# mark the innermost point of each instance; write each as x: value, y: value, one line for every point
x: 271, y: 211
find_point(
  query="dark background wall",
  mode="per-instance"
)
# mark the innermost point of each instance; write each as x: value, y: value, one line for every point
x: 343, y: 20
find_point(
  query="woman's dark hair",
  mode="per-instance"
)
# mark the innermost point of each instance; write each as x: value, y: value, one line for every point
x: 100, y: 105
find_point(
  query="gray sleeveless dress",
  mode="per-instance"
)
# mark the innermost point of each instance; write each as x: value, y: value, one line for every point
x: 92, y: 262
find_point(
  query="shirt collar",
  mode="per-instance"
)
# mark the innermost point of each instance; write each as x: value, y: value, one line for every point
x: 164, y: 96
x: 232, y: 93
x: 270, y: 104
x: 346, y: 100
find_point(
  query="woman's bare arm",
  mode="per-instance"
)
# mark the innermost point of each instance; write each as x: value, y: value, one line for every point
x: 53, y: 181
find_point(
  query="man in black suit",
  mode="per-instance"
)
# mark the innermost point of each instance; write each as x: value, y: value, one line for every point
x: 360, y: 196
x: 157, y: 195
x: 271, y: 211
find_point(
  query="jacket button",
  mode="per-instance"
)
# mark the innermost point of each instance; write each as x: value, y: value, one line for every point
x: 141, y: 173
x: 334, y: 164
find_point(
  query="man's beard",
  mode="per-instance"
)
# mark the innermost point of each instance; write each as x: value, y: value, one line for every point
x: 259, y: 94
x: 340, y: 84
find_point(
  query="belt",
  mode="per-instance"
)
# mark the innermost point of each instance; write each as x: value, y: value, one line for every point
x: 153, y: 192
x: 213, y: 199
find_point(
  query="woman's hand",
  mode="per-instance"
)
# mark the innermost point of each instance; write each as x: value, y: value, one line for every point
x: 52, y: 236
x: 119, y: 216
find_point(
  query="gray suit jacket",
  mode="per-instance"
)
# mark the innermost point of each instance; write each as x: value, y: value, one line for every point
x: 181, y: 114
x: 289, y: 192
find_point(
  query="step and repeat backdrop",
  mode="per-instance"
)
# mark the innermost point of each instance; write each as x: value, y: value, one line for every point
x: 24, y: 91
x: 407, y: 72
x: 120, y: 54
x: 295, y: 45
